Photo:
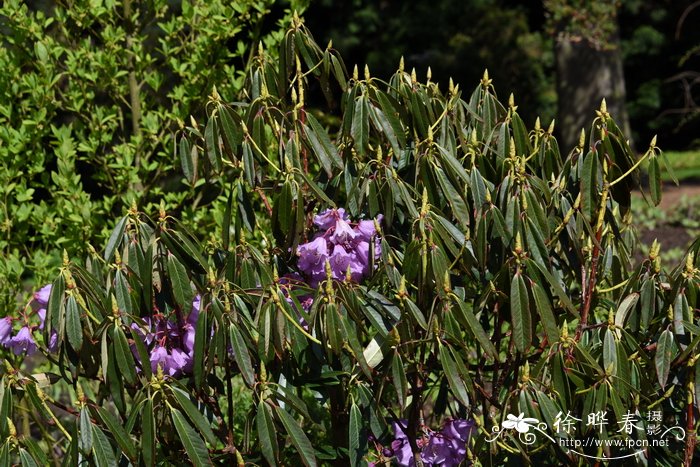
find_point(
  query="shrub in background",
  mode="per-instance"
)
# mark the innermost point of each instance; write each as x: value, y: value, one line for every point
x: 491, y: 293
x: 92, y: 97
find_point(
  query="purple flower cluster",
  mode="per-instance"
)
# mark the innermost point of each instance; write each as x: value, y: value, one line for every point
x: 446, y: 448
x: 346, y: 248
x: 171, y: 344
x: 24, y: 341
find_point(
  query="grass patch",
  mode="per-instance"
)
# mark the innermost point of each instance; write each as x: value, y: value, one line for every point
x: 685, y: 165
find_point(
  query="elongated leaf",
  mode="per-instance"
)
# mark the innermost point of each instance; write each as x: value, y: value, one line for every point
x: 194, y: 446
x: 148, y: 434
x: 624, y: 308
x: 125, y: 359
x: 609, y: 352
x: 398, y: 376
x: 589, y: 184
x: 392, y: 116
x: 211, y: 138
x: 182, y: 291
x: 558, y: 290
x: 316, y: 189
x: 115, y: 238
x: 230, y: 129
x: 456, y: 383
x: 360, y: 125
x: 321, y: 144
x: 520, y: 313
x: 240, y: 353
x: 665, y: 349
x: 26, y: 459
x: 655, y: 180
x: 373, y: 353
x: 74, y: 328
x: 200, y: 422
x: 356, y: 442
x: 267, y: 433
x: 104, y: 455
x: 116, y: 429
x: 466, y: 316
x: 85, y: 430
x: 186, y: 160
x: 121, y: 291
x: 299, y: 439
x: 549, y: 322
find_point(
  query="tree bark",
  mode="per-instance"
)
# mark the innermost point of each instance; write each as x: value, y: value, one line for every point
x: 585, y: 75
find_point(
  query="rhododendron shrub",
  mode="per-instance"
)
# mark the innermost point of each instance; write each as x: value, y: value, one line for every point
x: 409, y: 276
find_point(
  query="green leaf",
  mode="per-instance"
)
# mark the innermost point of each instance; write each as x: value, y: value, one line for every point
x: 230, y: 129
x: 456, y: 383
x: 467, y: 318
x: 624, y: 308
x: 211, y: 138
x: 148, y: 433
x: 5, y: 408
x: 26, y: 459
x: 647, y: 303
x: 74, y: 328
x: 609, y: 352
x: 121, y: 291
x: 398, y: 376
x: 558, y: 290
x: 520, y: 313
x: 655, y: 180
x: 315, y: 188
x: 186, y: 159
x: 357, y: 440
x: 200, y: 422
x: 115, y: 238
x: 549, y: 322
x: 267, y: 433
x: 194, y: 446
x: 589, y: 184
x: 299, y: 439
x: 392, y: 116
x: 125, y: 359
x: 85, y: 430
x: 182, y: 291
x: 241, y: 355
x: 104, y: 455
x: 321, y: 144
x: 360, y: 125
x: 665, y: 349
x: 116, y: 429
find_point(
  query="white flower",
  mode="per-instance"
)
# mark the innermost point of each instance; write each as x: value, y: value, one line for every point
x: 520, y: 423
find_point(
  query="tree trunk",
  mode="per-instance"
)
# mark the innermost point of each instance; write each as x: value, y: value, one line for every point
x: 586, y: 75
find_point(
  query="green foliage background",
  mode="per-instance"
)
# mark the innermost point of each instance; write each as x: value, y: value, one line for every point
x: 505, y: 286
x: 92, y: 96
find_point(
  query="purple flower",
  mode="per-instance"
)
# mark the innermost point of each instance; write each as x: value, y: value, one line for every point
x: 194, y: 313
x: 365, y: 229
x: 342, y: 233
x: 177, y: 362
x: 53, y: 342
x: 42, y: 296
x: 159, y: 357
x: 188, y: 339
x: 327, y: 218
x: 312, y: 254
x: 402, y: 451
x: 437, y: 450
x: 23, y: 342
x: 42, y: 317
x: 459, y: 429
x: 5, y: 330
